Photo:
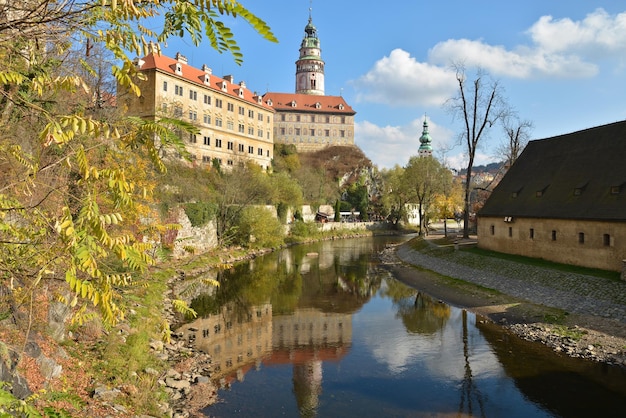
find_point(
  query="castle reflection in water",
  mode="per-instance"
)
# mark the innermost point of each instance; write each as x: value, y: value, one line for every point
x: 310, y: 333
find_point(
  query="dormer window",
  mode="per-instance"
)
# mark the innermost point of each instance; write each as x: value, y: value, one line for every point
x: 340, y: 106
x: 270, y: 102
x: 207, y: 80
x: 579, y: 189
x: 616, y: 189
x: 293, y: 103
x: 240, y: 93
x: 541, y: 192
x: 179, y: 69
x: 318, y: 105
x: 224, y: 86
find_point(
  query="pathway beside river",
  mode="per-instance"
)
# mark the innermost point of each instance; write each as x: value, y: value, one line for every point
x: 523, y: 297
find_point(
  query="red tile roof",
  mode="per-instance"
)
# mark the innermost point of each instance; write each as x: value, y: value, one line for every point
x: 194, y: 75
x: 308, y: 103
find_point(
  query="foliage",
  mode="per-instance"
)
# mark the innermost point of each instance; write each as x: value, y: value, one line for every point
x: 258, y: 228
x: 301, y: 229
x: 199, y: 213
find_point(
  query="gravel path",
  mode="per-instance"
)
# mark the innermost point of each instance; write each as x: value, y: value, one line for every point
x: 574, y: 293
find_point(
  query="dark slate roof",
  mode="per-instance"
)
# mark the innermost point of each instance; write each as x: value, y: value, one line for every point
x: 581, y: 175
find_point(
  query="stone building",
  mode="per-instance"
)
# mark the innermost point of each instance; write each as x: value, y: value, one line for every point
x: 308, y: 118
x: 564, y: 200
x: 234, y: 123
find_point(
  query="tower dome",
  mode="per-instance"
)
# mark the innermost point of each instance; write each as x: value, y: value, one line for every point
x: 426, y: 148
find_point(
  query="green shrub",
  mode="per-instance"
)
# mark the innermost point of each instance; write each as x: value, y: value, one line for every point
x: 199, y: 213
x: 258, y: 228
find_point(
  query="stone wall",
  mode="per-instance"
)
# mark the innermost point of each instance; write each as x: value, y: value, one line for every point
x: 583, y: 243
x: 199, y: 238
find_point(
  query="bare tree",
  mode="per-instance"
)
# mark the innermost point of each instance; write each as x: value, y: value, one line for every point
x: 480, y: 105
x: 517, y: 136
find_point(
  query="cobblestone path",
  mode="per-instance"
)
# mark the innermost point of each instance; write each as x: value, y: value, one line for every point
x: 572, y: 292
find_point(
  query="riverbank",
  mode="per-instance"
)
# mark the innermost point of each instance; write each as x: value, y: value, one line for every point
x: 578, y: 315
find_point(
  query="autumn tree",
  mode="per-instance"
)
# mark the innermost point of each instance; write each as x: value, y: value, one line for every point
x: 395, y: 195
x: 73, y: 179
x: 425, y: 178
x: 479, y: 104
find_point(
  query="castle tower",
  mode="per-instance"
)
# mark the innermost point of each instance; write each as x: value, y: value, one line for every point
x: 426, y: 148
x: 310, y: 66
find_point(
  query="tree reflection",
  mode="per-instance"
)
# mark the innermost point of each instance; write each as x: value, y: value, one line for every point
x: 420, y: 313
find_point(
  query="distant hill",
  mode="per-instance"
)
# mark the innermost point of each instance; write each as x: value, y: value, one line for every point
x: 492, y: 168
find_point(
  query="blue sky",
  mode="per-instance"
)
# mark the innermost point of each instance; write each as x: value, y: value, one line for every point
x: 561, y: 64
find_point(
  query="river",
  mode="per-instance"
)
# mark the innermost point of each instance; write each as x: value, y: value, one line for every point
x: 324, y: 330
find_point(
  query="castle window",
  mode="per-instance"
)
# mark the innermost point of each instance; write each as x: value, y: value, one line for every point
x: 230, y: 145
x: 606, y: 240
x: 492, y: 229
x: 218, y: 143
x: 553, y: 235
x: 178, y: 90
x: 207, y: 140
x: 207, y: 99
x: 531, y: 233
x: 510, y: 231
x: 581, y: 237
x: 241, y: 148
x: 230, y: 107
x: 193, y: 95
x: 165, y: 86
x: 250, y: 150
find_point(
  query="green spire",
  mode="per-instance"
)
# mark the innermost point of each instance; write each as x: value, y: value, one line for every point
x: 425, y: 140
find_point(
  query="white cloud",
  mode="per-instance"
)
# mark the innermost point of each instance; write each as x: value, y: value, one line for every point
x: 598, y: 33
x: 522, y: 63
x: 401, y: 80
x: 388, y: 146
x: 560, y: 48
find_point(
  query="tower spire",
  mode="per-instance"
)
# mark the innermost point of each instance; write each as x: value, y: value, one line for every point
x: 426, y: 148
x: 310, y: 66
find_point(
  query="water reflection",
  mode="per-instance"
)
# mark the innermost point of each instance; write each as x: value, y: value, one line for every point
x: 322, y: 330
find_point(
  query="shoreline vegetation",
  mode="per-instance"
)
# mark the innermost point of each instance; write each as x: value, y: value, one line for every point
x: 140, y: 368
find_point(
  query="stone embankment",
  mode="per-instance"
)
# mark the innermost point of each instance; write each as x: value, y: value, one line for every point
x: 596, y: 305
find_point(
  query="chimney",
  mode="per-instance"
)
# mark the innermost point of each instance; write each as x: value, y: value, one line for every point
x: 181, y: 58
x: 229, y: 78
x: 242, y: 84
x: 207, y: 69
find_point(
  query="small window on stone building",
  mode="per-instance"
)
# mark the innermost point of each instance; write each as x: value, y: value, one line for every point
x: 553, y: 235
x: 581, y: 237
x: 510, y: 231
x: 616, y: 189
x: 531, y: 233
x: 492, y: 229
x: 606, y: 240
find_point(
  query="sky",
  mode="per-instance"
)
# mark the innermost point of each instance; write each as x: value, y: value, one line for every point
x: 560, y: 64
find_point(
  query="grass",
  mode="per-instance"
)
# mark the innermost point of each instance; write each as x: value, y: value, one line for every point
x: 445, y: 245
x: 539, y: 262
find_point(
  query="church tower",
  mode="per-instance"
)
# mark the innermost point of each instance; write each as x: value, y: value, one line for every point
x: 425, y: 149
x: 310, y: 66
